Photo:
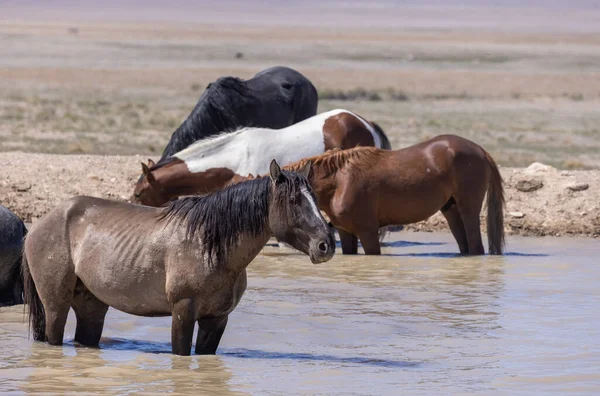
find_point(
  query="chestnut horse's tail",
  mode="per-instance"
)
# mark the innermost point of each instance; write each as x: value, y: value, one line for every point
x: 495, y: 208
x: 37, y: 315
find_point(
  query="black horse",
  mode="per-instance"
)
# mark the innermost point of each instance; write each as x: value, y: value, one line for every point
x: 12, y: 233
x: 276, y: 97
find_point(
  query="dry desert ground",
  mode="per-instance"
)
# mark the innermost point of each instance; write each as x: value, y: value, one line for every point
x: 84, y: 97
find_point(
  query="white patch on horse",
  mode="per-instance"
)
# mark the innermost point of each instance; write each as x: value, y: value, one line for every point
x: 250, y: 150
x: 313, y: 204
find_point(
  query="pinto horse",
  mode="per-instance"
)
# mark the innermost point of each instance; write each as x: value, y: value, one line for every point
x: 363, y: 189
x: 214, y: 163
x: 274, y: 98
x: 187, y: 261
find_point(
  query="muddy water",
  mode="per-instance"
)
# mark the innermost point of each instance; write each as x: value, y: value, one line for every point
x: 418, y: 320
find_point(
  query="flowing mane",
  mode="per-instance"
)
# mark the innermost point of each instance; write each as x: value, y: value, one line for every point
x: 203, y: 146
x: 220, y: 217
x: 334, y: 160
x: 215, y: 111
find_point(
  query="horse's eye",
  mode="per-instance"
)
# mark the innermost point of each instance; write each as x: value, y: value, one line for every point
x: 137, y: 195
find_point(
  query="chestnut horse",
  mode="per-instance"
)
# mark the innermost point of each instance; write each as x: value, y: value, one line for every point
x: 363, y: 189
x: 187, y: 261
x: 214, y: 163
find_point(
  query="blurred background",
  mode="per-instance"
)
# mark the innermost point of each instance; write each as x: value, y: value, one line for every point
x: 521, y: 78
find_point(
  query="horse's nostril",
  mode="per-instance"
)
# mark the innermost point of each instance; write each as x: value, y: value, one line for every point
x: 322, y: 247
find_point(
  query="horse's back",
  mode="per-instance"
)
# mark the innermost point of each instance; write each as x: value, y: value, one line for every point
x: 282, y: 75
x: 445, y: 163
x: 50, y: 232
x: 458, y: 144
x: 288, y: 87
x: 58, y: 228
x: 422, y: 167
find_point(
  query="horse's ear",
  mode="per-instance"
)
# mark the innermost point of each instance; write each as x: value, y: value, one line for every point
x: 305, y: 170
x: 275, y: 172
x: 150, y: 163
x: 147, y: 173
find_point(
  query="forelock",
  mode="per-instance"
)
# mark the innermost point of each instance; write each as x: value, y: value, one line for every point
x: 292, y: 185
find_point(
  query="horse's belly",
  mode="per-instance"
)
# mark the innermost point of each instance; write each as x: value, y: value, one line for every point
x: 411, y: 208
x: 137, y: 292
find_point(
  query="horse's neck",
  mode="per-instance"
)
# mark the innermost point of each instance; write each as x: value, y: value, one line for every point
x: 247, y: 248
x: 199, y: 125
x: 323, y: 182
x: 195, y: 127
x: 177, y: 180
x: 171, y: 175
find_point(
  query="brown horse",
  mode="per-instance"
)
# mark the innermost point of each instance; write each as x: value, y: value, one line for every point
x: 363, y: 189
x: 214, y: 163
x: 187, y: 261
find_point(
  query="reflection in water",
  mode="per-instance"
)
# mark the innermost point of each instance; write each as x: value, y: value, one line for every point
x: 55, y: 369
x: 419, y: 318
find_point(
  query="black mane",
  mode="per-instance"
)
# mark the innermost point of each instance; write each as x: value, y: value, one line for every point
x: 215, y: 111
x: 223, y: 215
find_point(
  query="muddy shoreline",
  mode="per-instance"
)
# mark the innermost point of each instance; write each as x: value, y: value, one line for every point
x: 540, y: 200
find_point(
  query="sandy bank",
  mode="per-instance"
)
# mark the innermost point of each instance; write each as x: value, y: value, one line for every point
x: 541, y: 200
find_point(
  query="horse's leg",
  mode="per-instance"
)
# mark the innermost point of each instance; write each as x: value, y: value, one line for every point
x: 90, y: 313
x: 349, y: 242
x: 469, y: 214
x: 182, y: 327
x: 456, y: 227
x: 210, y: 332
x: 56, y: 319
x: 370, y: 242
x: 56, y: 296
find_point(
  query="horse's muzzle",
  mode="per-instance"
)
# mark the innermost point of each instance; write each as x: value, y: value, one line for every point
x: 322, y: 250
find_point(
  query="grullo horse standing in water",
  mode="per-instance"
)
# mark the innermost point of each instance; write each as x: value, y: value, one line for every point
x: 365, y: 188
x: 187, y: 261
x: 274, y: 98
x: 12, y: 232
x: 214, y: 163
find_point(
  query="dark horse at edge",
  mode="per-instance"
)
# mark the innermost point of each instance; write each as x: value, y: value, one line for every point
x: 12, y: 232
x: 275, y: 98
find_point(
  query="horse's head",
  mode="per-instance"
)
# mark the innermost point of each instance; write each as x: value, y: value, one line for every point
x: 147, y: 190
x: 294, y: 217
